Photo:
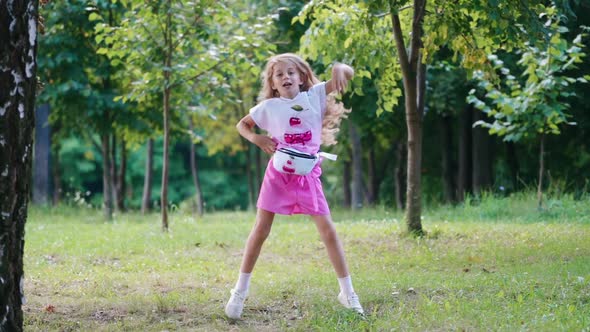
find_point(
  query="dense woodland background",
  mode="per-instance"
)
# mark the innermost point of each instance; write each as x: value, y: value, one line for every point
x: 99, y: 116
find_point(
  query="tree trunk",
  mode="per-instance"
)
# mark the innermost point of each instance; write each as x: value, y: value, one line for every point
x: 121, y: 183
x: 346, y: 181
x: 446, y: 138
x: 164, y: 189
x: 195, y: 173
x: 464, y: 184
x: 113, y: 170
x: 482, y: 161
x: 357, y: 168
x: 414, y: 79
x: 147, y: 179
x: 107, y: 191
x: 42, y: 159
x: 167, y: 64
x: 399, y: 175
x: 372, y: 185
x: 56, y: 174
x: 18, y: 80
x: 541, y: 172
x: 512, y: 160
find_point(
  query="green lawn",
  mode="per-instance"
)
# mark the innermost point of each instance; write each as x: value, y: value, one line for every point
x: 499, y: 266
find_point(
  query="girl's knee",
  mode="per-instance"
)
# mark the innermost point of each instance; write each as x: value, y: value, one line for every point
x: 262, y: 230
x: 329, y: 235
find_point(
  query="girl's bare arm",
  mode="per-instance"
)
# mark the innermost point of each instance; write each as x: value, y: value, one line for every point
x: 245, y: 126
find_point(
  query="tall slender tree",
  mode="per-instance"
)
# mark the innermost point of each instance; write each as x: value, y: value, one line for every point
x: 18, y: 81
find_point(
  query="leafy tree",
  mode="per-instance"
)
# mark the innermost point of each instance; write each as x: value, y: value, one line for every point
x: 538, y: 107
x: 79, y: 84
x: 18, y: 83
x: 174, y: 48
x: 469, y: 29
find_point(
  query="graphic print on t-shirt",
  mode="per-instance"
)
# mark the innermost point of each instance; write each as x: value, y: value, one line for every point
x: 300, y: 138
x: 295, y: 138
x: 294, y: 121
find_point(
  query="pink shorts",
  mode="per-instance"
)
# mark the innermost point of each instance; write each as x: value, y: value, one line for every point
x: 292, y: 194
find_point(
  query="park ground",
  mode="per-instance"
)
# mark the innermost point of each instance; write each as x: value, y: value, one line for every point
x: 499, y: 265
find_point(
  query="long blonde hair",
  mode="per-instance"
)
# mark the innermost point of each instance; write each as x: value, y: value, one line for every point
x: 335, y: 111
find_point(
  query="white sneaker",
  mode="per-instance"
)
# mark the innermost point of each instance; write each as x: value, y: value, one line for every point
x: 235, y: 305
x: 351, y: 302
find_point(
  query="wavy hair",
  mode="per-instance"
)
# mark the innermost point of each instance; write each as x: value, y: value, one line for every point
x: 335, y: 111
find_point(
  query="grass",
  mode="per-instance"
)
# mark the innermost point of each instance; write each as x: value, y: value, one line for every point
x: 500, y: 265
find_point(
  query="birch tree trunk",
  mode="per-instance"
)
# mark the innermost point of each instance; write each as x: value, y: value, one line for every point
x: 18, y: 81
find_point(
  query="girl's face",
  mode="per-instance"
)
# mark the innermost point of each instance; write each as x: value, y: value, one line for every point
x: 286, y: 79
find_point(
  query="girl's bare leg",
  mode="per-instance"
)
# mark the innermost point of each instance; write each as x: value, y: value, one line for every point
x: 256, y: 238
x: 347, y: 296
x: 328, y: 235
x: 259, y: 233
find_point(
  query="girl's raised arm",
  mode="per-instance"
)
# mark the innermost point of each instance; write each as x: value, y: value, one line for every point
x: 341, y: 74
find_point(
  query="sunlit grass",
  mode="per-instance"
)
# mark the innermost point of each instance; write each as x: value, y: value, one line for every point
x: 496, y: 265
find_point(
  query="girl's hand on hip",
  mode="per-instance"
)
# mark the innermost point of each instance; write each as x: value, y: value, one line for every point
x: 266, y: 144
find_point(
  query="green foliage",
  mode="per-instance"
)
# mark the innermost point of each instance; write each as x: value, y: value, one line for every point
x: 447, y: 85
x: 469, y: 30
x: 338, y: 32
x: 77, y: 83
x: 81, y: 166
x: 539, y: 105
x: 215, y: 61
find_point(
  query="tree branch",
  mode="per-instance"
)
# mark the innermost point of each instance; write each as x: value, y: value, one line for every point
x: 380, y: 15
x: 154, y: 40
x: 416, y: 40
x: 197, y: 18
x: 199, y: 74
x: 399, y: 43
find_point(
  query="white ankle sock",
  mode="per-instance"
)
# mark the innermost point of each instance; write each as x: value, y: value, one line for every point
x: 346, y: 285
x: 243, y: 283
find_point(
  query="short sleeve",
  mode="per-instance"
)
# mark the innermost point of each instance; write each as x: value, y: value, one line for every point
x: 260, y: 115
x: 318, y: 92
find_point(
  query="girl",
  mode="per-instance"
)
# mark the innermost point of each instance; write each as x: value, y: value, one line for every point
x: 293, y: 110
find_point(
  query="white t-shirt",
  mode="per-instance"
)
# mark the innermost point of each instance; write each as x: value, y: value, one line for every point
x: 295, y: 123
